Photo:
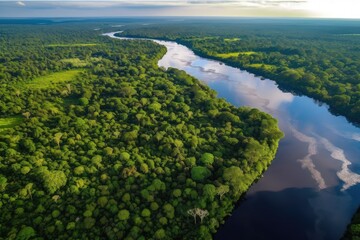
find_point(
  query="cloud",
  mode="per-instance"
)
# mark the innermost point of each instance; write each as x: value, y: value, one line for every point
x: 345, y: 174
x: 21, y: 3
x: 246, y: 8
x: 308, y: 162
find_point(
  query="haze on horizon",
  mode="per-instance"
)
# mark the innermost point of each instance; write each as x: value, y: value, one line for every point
x: 226, y: 8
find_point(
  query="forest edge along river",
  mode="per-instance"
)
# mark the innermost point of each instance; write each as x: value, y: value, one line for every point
x: 311, y: 189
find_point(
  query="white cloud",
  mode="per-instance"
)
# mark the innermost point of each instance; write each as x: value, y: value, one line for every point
x: 345, y: 174
x: 275, y: 8
x: 21, y: 3
x: 308, y: 162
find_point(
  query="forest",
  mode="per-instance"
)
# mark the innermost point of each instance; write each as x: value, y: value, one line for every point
x: 353, y: 229
x: 98, y: 142
x: 317, y: 59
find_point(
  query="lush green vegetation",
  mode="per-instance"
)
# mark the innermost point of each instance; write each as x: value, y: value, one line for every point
x: 353, y: 229
x: 316, y: 58
x: 9, y: 122
x: 52, y: 79
x: 233, y: 54
x: 72, y: 45
x: 231, y: 39
x: 120, y: 149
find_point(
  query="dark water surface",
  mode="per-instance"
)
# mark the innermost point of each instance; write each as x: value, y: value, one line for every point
x: 311, y: 189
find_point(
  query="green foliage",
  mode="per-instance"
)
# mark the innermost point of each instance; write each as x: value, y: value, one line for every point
x: 353, y: 229
x: 160, y: 234
x: 3, y: 182
x: 50, y: 80
x: 75, y: 62
x: 207, y: 159
x: 146, y: 213
x: 26, y: 233
x: 9, y: 122
x: 124, y: 156
x: 123, y: 215
x: 71, y: 45
x: 84, y: 101
x: 318, y: 61
x: 113, y: 153
x: 199, y: 173
x: 53, y: 180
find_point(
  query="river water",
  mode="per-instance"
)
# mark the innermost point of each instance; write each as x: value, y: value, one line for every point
x: 311, y: 189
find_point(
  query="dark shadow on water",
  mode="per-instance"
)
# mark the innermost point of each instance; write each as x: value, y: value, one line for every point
x: 287, y: 214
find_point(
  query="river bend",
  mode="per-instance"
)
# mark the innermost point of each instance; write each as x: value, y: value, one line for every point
x: 312, y: 187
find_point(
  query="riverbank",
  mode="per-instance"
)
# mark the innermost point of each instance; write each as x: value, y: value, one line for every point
x: 306, y: 157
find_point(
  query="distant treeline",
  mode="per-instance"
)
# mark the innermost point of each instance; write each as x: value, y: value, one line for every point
x: 317, y: 58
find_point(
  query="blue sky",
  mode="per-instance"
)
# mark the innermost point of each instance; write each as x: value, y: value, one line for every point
x: 244, y: 8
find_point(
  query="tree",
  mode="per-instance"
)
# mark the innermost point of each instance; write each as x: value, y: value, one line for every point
x: 234, y: 176
x: 202, y: 213
x: 53, y: 180
x: 160, y: 234
x: 89, y: 222
x: 28, y: 189
x: 123, y: 215
x: 26, y: 115
x: 57, y: 138
x: 146, y: 212
x: 177, y: 193
x: 124, y: 156
x: 3, y: 183
x: 199, y: 173
x: 192, y: 212
x: 155, y: 107
x: 84, y: 101
x: 209, y: 190
x: 55, y: 198
x: 26, y: 233
x: 28, y: 145
x: 207, y: 158
x: 222, y: 189
x: 169, y: 210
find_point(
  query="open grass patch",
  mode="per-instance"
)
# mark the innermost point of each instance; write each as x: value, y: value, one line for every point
x: 50, y: 80
x: 351, y: 34
x: 72, y: 45
x: 234, y: 54
x: 9, y: 122
x: 231, y: 39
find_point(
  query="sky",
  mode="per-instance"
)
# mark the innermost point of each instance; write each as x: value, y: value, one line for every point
x: 227, y: 8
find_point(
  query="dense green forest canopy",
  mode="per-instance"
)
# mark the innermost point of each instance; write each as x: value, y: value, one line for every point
x: 318, y: 58
x: 353, y: 229
x: 98, y: 142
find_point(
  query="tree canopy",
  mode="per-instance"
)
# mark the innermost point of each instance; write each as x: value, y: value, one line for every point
x: 111, y: 146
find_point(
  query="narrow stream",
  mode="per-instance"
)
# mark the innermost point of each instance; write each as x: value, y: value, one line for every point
x: 311, y: 189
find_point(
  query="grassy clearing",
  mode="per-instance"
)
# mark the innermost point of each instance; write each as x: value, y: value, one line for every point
x: 231, y: 39
x: 72, y: 45
x: 9, y: 122
x: 266, y: 67
x: 234, y: 54
x: 50, y: 80
x: 351, y: 34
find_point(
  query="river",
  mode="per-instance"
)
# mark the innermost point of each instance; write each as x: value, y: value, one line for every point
x: 311, y: 189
